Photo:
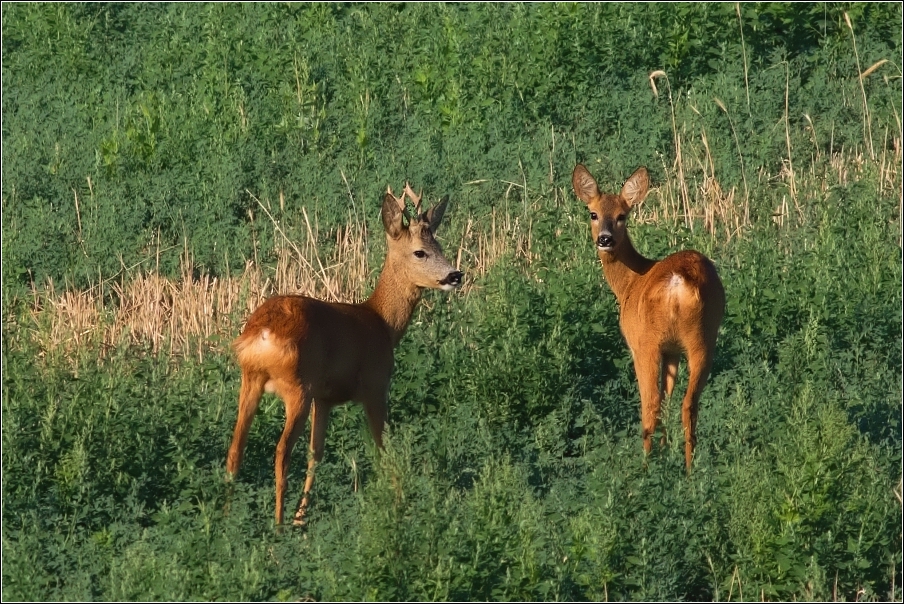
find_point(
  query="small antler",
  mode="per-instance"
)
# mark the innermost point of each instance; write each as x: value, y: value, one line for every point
x: 415, y: 198
x: 401, y: 202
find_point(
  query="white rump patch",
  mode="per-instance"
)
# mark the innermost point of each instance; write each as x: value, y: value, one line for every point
x: 676, y: 281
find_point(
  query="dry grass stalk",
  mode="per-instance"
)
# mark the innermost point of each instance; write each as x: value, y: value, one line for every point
x: 722, y: 211
x: 790, y: 164
x: 889, y: 168
x: 484, y: 243
x: 744, y: 55
x: 867, y: 121
x: 678, y: 166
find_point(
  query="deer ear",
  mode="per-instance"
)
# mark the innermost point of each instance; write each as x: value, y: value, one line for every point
x: 392, y: 216
x: 636, y: 187
x: 584, y: 185
x: 434, y: 215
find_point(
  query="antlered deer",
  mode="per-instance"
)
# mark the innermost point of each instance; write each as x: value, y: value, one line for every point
x: 316, y: 354
x: 666, y: 306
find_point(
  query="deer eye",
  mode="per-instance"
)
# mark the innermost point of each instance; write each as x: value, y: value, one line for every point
x: 420, y: 254
x: 621, y: 218
x: 593, y: 216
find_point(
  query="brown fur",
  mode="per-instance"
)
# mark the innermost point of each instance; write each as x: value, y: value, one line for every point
x: 315, y: 355
x: 667, y: 307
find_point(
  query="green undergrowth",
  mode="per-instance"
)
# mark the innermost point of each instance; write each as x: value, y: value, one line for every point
x: 513, y: 466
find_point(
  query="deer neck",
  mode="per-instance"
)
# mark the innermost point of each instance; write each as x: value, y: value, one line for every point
x: 623, y: 268
x: 394, y: 300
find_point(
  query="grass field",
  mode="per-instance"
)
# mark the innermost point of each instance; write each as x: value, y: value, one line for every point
x: 168, y: 167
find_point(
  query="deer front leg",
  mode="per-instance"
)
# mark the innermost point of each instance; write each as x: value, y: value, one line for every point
x: 375, y: 409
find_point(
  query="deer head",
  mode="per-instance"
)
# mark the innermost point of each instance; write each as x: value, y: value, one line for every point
x: 609, y: 213
x: 413, y: 248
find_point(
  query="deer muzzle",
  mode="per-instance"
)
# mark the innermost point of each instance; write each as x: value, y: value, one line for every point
x: 605, y: 241
x: 453, y: 279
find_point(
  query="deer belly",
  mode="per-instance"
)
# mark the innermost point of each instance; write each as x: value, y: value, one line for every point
x: 335, y: 392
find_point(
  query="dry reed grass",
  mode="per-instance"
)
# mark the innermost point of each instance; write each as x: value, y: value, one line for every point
x: 197, y: 313
x: 188, y: 316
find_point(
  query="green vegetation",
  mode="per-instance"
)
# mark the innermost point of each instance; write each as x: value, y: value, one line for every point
x: 145, y: 140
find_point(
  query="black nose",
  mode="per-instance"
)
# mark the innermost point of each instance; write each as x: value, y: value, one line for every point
x: 453, y: 278
x: 605, y: 241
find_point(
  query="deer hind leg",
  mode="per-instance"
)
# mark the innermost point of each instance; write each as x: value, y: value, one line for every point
x: 298, y: 404
x: 669, y: 373
x: 249, y: 397
x: 646, y: 367
x: 320, y: 418
x: 698, y: 365
x: 670, y: 363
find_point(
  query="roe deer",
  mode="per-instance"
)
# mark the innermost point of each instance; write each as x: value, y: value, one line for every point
x: 666, y: 306
x: 316, y: 354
